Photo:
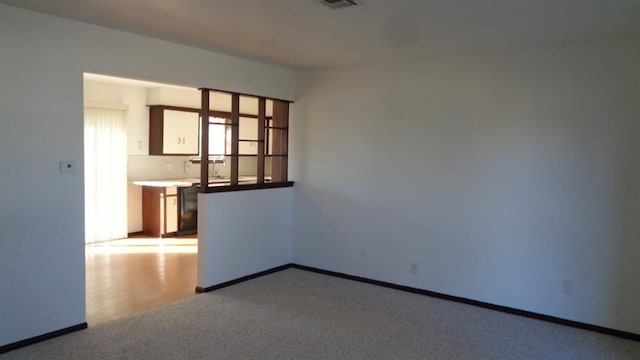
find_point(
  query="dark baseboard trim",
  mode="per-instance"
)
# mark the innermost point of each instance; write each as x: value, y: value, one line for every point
x: 135, y: 233
x: 505, y: 309
x: 200, y: 289
x: 39, y: 338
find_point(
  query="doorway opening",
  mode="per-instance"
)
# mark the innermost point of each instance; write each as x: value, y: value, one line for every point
x: 127, y: 270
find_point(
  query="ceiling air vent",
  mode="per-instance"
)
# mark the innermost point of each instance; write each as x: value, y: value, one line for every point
x: 338, y: 4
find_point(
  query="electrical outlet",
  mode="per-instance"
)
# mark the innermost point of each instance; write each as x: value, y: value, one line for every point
x: 567, y: 287
x: 413, y: 268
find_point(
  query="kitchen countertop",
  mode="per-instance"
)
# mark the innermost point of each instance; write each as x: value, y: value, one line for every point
x: 162, y: 183
x: 190, y: 182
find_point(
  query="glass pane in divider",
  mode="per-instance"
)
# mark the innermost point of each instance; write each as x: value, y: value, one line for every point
x: 267, y: 168
x: 248, y: 147
x: 268, y: 138
x: 217, y: 120
x: 248, y: 105
x: 247, y: 169
x: 248, y: 136
x: 217, y: 139
x: 220, y: 101
x: 269, y: 108
x: 248, y: 128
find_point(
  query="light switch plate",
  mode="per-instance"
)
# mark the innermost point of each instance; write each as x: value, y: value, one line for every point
x: 67, y: 167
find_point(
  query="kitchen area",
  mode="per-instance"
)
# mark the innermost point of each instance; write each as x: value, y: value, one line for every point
x: 154, y: 261
x: 163, y: 149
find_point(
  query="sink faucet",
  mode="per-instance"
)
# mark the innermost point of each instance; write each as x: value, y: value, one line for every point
x: 217, y: 160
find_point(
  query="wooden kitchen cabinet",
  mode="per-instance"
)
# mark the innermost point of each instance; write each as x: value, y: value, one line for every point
x: 159, y: 211
x: 171, y: 210
x: 173, y: 130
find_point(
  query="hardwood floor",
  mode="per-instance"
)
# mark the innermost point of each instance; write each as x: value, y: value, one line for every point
x: 127, y: 276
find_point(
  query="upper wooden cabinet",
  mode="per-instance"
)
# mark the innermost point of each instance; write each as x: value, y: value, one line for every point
x: 173, y: 131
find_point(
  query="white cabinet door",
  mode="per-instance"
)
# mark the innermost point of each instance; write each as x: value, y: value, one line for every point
x: 180, y: 132
x: 171, y: 210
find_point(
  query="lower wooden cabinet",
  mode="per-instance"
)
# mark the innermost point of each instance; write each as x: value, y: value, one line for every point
x: 159, y: 211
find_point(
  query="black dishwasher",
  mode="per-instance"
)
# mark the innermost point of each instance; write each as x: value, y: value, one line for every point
x: 188, y: 223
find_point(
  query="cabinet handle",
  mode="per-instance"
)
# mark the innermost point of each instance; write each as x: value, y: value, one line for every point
x: 174, y: 201
x: 179, y: 141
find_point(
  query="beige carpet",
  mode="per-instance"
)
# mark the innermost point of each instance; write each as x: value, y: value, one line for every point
x: 294, y: 314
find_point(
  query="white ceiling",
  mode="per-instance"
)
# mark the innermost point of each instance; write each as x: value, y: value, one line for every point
x: 130, y: 82
x: 303, y: 33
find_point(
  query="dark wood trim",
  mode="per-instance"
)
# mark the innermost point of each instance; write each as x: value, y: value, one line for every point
x: 243, y: 94
x: 204, y: 138
x: 40, y: 338
x: 267, y: 136
x: 135, y: 233
x: 279, y: 141
x: 235, y: 134
x: 197, y: 161
x: 262, y: 109
x: 176, y: 108
x: 156, y: 128
x: 505, y: 309
x: 243, y: 187
x: 212, y: 113
x: 200, y: 289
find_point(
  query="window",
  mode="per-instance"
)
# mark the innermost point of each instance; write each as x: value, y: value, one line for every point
x: 219, y: 137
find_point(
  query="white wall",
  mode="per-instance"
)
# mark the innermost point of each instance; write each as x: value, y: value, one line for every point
x: 42, y: 59
x: 243, y: 233
x: 500, y: 175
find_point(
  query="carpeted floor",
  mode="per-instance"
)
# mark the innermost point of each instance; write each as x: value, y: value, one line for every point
x: 295, y: 314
